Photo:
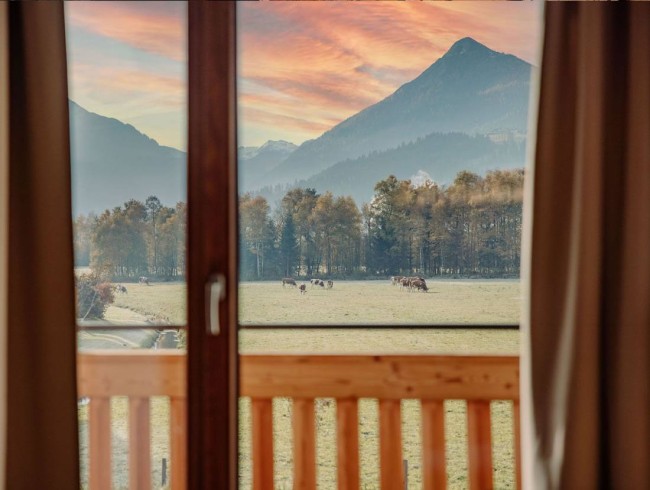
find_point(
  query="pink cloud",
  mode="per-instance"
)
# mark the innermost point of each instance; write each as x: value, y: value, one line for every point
x: 344, y: 56
x: 154, y: 27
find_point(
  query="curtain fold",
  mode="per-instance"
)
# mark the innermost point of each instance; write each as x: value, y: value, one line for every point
x: 42, y: 437
x: 586, y: 332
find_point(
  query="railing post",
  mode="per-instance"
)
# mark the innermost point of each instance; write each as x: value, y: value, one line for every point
x: 304, y: 444
x: 390, y: 444
x: 139, y: 443
x: 347, y: 440
x: 99, y: 439
x: 480, y: 444
x: 262, y: 443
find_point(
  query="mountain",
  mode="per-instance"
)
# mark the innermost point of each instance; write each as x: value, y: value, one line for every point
x: 440, y: 156
x: 256, y: 162
x: 113, y: 162
x: 471, y: 89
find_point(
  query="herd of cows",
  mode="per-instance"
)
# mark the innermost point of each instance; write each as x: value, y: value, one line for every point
x: 410, y: 283
x: 405, y: 283
x: 288, y: 281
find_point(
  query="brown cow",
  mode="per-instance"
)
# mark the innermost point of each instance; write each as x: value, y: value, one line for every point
x: 420, y: 285
x: 289, y: 281
x: 303, y: 288
x: 330, y: 284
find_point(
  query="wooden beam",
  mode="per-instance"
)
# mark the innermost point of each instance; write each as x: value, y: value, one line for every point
x: 139, y: 443
x: 390, y: 444
x: 178, y: 442
x: 479, y: 440
x: 262, y: 415
x: 383, y: 377
x: 347, y: 441
x: 99, y: 441
x: 136, y: 372
x: 304, y: 444
x: 434, y: 472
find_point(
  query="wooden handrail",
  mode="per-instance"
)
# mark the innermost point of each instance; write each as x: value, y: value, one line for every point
x: 427, y: 377
x: 140, y: 374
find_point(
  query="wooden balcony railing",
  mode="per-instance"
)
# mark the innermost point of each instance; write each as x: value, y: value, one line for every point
x: 347, y: 378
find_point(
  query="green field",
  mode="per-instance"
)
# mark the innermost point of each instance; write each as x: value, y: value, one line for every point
x: 459, y: 302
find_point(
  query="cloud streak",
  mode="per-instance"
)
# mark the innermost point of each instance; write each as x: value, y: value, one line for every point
x: 341, y: 57
x: 302, y: 66
x: 154, y: 27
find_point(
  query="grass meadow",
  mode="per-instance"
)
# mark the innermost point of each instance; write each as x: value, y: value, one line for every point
x: 461, y: 302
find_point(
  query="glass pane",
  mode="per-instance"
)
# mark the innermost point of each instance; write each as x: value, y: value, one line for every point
x: 381, y: 161
x: 127, y: 65
x: 127, y: 87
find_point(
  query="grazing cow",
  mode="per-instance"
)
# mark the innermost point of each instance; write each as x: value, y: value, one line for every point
x: 321, y: 283
x: 395, y: 280
x: 120, y: 288
x: 144, y: 280
x: 288, y: 281
x: 303, y: 288
x: 330, y: 284
x: 419, y: 285
x: 405, y: 283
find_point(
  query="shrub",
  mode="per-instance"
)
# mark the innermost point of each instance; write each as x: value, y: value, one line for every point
x: 94, y: 294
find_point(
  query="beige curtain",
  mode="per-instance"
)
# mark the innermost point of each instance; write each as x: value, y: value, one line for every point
x: 41, y: 437
x: 586, y: 370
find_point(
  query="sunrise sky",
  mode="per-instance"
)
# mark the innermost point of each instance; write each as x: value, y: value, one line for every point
x: 303, y: 66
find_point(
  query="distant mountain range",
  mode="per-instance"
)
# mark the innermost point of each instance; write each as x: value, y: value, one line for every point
x: 256, y: 162
x: 113, y: 162
x: 467, y: 111
x: 471, y: 89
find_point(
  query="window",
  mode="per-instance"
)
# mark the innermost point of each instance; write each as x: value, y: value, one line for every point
x: 127, y: 66
x: 381, y: 166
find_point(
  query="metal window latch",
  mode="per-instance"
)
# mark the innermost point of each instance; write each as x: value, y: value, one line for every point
x: 215, y: 292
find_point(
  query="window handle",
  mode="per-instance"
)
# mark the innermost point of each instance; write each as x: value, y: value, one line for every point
x: 215, y: 292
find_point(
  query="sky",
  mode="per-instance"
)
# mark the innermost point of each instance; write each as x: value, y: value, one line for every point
x: 303, y: 67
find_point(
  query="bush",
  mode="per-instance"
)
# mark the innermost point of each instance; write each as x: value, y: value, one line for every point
x: 94, y: 294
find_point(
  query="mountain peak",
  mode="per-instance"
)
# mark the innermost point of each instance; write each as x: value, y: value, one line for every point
x: 280, y: 145
x: 466, y: 45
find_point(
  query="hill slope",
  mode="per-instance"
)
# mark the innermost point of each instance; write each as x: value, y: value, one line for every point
x: 471, y: 89
x: 113, y: 162
x: 255, y: 162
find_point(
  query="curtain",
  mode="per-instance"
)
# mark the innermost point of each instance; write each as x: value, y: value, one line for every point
x: 41, y: 437
x: 586, y: 359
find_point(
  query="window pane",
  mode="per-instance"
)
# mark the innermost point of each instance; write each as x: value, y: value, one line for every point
x: 127, y: 70
x: 127, y: 65
x: 381, y: 161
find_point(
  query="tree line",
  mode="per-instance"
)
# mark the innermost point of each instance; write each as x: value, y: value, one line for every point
x: 133, y: 240
x: 469, y: 228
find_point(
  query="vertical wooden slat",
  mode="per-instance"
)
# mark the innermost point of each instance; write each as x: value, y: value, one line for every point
x: 347, y: 441
x: 390, y: 444
x: 517, y: 421
x: 304, y: 444
x: 139, y: 443
x: 433, y: 445
x: 479, y: 439
x: 99, y: 441
x: 262, y: 414
x: 178, y: 442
